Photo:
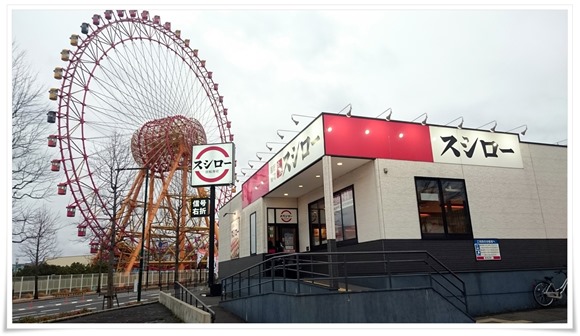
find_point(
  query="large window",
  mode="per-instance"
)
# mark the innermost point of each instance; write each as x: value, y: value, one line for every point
x: 344, y: 219
x: 443, y: 208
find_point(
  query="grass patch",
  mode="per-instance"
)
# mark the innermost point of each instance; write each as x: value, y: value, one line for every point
x: 48, y: 318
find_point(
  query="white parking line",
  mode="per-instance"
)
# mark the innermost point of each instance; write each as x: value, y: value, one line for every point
x: 47, y: 310
x: 18, y: 316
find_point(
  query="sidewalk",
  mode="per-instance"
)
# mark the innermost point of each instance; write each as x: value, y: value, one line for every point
x: 545, y: 315
x: 155, y: 312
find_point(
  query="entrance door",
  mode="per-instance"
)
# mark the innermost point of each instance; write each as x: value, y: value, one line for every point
x: 287, y: 235
x: 282, y: 238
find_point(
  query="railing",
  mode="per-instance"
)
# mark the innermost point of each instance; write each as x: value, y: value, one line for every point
x: 315, y: 272
x: 23, y: 287
x: 183, y: 294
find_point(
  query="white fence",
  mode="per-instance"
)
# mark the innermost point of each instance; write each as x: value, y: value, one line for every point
x: 54, y: 284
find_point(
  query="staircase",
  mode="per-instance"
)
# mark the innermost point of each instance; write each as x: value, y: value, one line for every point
x: 347, y: 287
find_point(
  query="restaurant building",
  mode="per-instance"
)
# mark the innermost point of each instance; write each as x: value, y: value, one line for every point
x: 489, y: 206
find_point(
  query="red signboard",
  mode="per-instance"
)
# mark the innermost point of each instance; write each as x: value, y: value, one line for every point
x: 376, y: 138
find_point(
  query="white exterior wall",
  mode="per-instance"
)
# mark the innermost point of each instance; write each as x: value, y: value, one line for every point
x: 503, y: 202
x: 365, y: 200
x: 260, y: 210
x: 506, y: 203
x: 551, y: 171
x: 399, y: 202
x: 225, y: 227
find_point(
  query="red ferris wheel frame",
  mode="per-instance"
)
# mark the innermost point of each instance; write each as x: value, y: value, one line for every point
x: 126, y: 27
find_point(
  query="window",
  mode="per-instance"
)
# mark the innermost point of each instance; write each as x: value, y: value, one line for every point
x: 253, y: 240
x: 443, y: 209
x: 317, y: 220
x: 344, y: 219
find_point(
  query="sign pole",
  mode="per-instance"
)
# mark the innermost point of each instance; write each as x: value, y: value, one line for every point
x: 211, y: 237
x: 212, y: 165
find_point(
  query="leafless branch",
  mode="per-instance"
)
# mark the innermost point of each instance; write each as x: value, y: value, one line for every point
x: 30, y: 158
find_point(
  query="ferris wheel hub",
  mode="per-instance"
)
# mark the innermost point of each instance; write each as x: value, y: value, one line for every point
x: 158, y: 143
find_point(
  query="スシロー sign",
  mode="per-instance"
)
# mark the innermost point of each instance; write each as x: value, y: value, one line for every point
x: 469, y: 147
x: 301, y: 152
x: 282, y: 216
x: 212, y: 164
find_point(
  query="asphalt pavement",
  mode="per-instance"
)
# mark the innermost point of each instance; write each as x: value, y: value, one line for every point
x: 155, y: 312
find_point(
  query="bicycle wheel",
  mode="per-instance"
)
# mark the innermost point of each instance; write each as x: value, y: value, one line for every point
x: 540, y: 294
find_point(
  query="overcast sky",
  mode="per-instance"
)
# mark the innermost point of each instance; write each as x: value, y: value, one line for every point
x: 508, y: 65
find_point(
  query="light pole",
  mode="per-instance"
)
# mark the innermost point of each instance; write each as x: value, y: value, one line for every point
x: 176, y: 276
x: 143, y: 237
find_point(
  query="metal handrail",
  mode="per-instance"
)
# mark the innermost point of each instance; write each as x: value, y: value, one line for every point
x: 345, y: 271
x: 183, y: 294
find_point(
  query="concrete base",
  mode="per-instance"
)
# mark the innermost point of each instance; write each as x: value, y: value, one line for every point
x: 185, y: 312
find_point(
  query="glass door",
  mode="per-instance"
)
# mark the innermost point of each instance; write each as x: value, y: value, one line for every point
x: 282, y: 238
x: 287, y: 237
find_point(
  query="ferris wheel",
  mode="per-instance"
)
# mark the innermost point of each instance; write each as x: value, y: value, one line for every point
x: 133, y: 85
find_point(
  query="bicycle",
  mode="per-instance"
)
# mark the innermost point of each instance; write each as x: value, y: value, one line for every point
x: 545, y: 292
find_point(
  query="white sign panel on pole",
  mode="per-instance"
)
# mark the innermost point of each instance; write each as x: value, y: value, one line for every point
x: 212, y: 164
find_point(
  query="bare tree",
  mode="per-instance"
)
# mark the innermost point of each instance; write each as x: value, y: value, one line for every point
x: 30, y: 174
x: 42, y: 240
x: 112, y: 158
x: 115, y: 154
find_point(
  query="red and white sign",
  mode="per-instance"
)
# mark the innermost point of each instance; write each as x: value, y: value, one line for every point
x: 298, y: 154
x: 285, y: 216
x: 212, y: 165
x: 373, y: 138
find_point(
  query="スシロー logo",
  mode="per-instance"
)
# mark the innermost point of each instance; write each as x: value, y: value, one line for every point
x: 286, y: 216
x: 212, y: 164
